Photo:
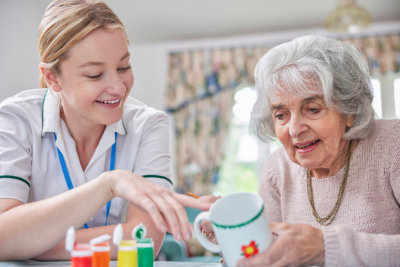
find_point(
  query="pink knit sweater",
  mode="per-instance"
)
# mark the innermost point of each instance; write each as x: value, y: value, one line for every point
x: 366, y: 230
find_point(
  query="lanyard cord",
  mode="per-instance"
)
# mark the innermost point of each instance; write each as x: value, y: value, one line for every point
x: 68, y: 178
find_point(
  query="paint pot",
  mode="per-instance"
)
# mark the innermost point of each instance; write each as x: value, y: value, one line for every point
x: 101, y: 251
x: 145, y: 248
x: 127, y: 254
x: 81, y: 256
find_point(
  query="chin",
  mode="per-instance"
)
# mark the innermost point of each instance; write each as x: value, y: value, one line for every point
x: 111, y: 121
x: 111, y: 118
x: 306, y: 164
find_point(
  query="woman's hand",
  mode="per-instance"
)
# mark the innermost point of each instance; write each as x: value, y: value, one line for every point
x: 207, y: 231
x: 295, y: 245
x: 165, y: 207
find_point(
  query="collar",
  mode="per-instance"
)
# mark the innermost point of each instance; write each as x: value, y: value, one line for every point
x: 51, y: 116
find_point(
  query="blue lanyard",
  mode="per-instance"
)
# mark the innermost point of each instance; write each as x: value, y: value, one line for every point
x: 68, y: 178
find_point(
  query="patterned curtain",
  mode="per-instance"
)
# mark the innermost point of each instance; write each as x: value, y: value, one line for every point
x: 200, y: 97
x: 382, y: 52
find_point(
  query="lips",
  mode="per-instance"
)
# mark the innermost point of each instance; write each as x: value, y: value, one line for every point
x: 306, y: 146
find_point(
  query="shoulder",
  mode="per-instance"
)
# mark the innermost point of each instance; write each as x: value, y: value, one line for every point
x: 385, y: 132
x: 25, y: 98
x: 26, y: 104
x: 278, y: 166
x: 387, y: 125
x: 383, y: 145
x: 138, y: 113
x: 277, y: 159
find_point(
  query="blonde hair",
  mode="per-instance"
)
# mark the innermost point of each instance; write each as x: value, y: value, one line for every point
x: 67, y: 22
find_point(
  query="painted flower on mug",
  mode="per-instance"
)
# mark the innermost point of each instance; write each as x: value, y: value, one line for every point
x: 250, y: 250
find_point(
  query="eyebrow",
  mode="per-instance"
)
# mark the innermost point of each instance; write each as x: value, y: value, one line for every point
x: 97, y: 63
x: 311, y: 98
x: 305, y: 100
x: 276, y: 107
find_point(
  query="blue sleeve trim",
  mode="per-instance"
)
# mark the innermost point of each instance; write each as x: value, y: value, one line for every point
x: 16, y: 178
x: 158, y: 176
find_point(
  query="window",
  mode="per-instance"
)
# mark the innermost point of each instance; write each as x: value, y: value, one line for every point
x: 397, y: 97
x: 377, y: 101
x: 239, y: 171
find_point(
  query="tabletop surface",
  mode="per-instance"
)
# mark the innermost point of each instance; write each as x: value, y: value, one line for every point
x: 112, y: 264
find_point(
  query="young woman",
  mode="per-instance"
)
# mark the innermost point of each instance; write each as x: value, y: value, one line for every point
x: 79, y: 150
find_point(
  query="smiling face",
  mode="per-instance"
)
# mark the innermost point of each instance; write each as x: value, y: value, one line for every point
x: 310, y: 132
x: 95, y: 79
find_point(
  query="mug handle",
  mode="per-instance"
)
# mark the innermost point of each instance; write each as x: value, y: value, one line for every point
x: 203, y: 240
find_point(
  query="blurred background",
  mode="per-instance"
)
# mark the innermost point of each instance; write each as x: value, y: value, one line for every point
x: 194, y: 59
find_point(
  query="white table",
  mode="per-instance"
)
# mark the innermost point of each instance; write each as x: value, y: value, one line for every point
x: 112, y: 264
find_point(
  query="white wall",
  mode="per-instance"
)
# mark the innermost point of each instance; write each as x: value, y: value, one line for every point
x: 150, y: 71
x: 19, y: 59
x: 18, y: 46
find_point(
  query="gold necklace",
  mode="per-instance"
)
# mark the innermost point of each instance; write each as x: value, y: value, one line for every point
x: 329, y: 218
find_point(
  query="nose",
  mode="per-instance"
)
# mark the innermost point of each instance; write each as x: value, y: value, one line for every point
x: 296, y: 125
x: 116, y: 84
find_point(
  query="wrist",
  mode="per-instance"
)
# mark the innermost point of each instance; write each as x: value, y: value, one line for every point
x: 320, y: 261
x: 107, y: 179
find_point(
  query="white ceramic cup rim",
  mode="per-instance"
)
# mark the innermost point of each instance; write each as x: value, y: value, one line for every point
x: 251, y: 216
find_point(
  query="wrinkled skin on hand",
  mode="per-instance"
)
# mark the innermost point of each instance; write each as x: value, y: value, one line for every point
x: 294, y: 245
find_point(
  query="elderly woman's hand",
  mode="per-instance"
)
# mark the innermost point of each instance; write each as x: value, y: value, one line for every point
x: 207, y: 231
x: 206, y: 226
x: 295, y: 245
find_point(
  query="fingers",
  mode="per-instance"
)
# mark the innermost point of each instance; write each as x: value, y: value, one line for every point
x: 198, y: 203
x: 167, y: 213
x: 206, y: 226
x: 207, y: 231
x: 209, y: 198
x: 151, y: 208
x: 262, y: 259
x: 176, y: 216
x: 296, y: 244
x: 166, y: 208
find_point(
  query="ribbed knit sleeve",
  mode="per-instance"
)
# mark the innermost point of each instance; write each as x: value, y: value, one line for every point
x: 269, y: 189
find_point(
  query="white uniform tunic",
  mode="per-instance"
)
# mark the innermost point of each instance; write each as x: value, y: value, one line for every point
x: 30, y: 169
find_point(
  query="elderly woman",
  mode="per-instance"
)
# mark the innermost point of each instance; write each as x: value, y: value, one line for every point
x: 332, y: 192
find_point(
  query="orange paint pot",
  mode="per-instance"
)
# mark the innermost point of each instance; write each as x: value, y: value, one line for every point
x: 101, y: 254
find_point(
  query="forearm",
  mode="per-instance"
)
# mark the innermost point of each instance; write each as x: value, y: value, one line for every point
x: 58, y: 252
x: 38, y: 226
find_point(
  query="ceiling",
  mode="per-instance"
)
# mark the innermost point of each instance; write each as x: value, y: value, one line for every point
x: 155, y: 21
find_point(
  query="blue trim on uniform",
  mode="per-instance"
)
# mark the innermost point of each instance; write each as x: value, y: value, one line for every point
x: 158, y: 176
x: 16, y: 178
x: 68, y: 178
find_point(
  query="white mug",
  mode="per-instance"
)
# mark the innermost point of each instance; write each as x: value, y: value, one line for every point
x: 240, y: 226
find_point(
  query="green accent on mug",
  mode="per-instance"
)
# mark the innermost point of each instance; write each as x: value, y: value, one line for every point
x: 240, y: 224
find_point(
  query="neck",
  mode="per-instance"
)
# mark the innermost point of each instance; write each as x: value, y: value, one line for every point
x: 86, y: 137
x: 327, y: 172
